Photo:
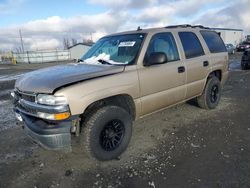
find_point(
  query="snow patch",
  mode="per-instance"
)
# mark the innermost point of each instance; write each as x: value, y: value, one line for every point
x: 103, y: 56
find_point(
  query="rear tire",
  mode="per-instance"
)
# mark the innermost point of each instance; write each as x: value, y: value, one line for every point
x: 107, y: 133
x: 211, y: 95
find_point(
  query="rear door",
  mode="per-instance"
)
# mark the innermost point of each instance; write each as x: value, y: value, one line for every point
x: 217, y: 49
x: 197, y: 63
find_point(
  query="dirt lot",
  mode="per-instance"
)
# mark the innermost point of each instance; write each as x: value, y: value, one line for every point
x: 183, y: 146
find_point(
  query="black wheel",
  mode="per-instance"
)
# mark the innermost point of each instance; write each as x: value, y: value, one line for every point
x: 107, y: 133
x: 244, y: 67
x: 211, y: 95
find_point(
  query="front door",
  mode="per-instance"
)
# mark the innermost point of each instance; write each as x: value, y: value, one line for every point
x: 164, y: 84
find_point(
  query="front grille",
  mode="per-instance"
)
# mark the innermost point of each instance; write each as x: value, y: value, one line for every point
x: 25, y: 96
x: 26, y: 109
x: 20, y: 96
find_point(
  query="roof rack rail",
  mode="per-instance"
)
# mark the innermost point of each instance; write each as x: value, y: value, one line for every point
x: 175, y: 26
x: 187, y: 25
x: 200, y: 26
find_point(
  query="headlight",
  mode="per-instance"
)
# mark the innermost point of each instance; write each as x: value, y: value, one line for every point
x: 51, y: 99
x: 59, y: 116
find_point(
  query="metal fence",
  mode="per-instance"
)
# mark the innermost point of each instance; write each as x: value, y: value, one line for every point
x: 41, y: 56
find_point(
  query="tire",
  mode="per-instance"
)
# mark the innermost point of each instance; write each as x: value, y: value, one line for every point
x: 243, y: 66
x: 211, y: 95
x: 107, y: 127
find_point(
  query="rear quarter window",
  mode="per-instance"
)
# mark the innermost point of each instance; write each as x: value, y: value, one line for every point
x: 214, y: 42
x: 191, y: 45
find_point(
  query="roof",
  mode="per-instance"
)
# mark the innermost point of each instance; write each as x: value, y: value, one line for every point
x: 162, y: 29
x: 226, y: 29
x: 83, y: 44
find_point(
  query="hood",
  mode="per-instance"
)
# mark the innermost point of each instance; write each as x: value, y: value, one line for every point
x: 48, y: 79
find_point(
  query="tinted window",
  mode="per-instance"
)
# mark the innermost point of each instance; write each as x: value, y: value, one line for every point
x: 191, y: 45
x: 213, y: 41
x: 163, y: 42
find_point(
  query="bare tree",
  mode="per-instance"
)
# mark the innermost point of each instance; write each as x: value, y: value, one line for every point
x: 66, y: 43
x: 88, y: 42
x: 73, y: 42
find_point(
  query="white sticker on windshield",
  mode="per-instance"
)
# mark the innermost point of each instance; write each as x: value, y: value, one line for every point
x: 127, y: 44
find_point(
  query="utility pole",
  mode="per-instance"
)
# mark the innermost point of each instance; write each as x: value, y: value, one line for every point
x: 21, y: 38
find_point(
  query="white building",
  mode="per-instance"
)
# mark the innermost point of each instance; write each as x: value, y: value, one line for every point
x: 230, y: 36
x: 78, y: 50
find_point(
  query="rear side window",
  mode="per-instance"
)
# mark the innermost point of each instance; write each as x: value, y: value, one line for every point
x: 191, y: 45
x: 213, y: 41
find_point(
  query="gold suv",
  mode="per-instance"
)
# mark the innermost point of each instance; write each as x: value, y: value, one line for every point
x: 123, y: 77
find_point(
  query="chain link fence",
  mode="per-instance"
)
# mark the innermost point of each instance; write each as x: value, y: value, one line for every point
x: 41, y: 56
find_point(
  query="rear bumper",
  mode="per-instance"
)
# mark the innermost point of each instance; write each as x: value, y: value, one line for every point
x: 241, y: 49
x: 54, y: 136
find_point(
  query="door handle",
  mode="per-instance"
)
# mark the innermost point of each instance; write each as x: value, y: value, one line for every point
x: 205, y: 63
x: 181, y: 69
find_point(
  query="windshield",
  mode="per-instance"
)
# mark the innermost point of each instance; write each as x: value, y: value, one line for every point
x: 119, y: 50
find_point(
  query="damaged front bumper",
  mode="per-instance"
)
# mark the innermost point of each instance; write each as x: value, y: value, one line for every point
x: 51, y: 134
x: 55, y: 136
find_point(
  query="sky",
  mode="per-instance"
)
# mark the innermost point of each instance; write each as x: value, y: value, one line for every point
x: 45, y: 23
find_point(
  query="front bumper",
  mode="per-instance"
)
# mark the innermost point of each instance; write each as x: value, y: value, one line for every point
x: 54, y: 135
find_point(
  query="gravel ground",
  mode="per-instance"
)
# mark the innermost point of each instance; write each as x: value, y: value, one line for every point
x: 183, y: 146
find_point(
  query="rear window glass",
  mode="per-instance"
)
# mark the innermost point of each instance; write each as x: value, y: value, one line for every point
x: 191, y: 44
x: 213, y: 41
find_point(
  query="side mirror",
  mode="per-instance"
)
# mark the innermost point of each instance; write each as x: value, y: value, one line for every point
x: 156, y: 58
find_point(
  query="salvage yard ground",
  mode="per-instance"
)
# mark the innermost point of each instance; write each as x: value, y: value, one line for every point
x: 183, y: 146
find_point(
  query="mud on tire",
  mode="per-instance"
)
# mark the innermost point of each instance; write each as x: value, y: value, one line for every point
x: 107, y: 132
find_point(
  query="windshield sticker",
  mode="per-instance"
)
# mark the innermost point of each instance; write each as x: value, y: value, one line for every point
x: 127, y: 44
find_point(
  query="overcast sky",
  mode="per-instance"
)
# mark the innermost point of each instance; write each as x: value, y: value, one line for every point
x: 44, y: 23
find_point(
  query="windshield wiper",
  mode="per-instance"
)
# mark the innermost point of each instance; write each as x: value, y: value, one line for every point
x: 79, y: 60
x: 104, y: 62
x: 107, y: 62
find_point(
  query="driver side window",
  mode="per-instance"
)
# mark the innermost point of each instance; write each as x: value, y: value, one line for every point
x: 163, y: 42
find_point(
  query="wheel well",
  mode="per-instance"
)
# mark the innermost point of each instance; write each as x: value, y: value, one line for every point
x: 216, y: 73
x: 124, y: 101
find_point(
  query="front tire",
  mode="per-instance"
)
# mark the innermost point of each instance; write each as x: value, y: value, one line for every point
x: 107, y: 133
x: 211, y: 95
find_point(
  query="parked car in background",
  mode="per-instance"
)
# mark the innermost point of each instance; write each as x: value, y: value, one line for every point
x: 243, y: 46
x: 230, y: 48
x: 245, y: 60
x: 248, y: 37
